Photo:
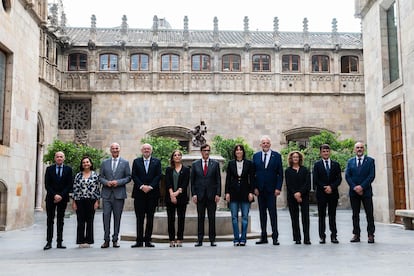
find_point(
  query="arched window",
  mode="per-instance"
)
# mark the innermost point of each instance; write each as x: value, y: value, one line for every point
x: 77, y: 62
x: 139, y: 62
x: 349, y: 64
x: 290, y: 63
x: 108, y: 62
x: 261, y: 63
x: 200, y: 62
x: 231, y: 63
x: 170, y: 62
x: 320, y: 63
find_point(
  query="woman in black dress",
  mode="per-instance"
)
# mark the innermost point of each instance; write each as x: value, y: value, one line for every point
x: 177, y: 177
x: 298, y: 186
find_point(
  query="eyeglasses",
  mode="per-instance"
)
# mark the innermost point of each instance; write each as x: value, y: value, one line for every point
x: 206, y: 150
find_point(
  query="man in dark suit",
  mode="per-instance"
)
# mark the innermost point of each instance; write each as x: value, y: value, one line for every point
x: 326, y: 178
x: 146, y: 174
x: 206, y: 192
x: 114, y: 175
x: 360, y: 173
x: 58, y: 184
x: 267, y: 186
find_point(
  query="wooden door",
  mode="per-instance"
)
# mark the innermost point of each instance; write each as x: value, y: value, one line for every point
x: 397, y: 155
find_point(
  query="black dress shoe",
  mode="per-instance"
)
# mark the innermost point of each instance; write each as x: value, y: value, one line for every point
x: 276, y: 242
x: 297, y: 242
x: 105, y: 245
x: 262, y: 242
x: 307, y: 242
x: 138, y: 244
x: 355, y: 238
x: 322, y: 241
x: 115, y: 244
x: 198, y: 244
x: 213, y: 244
x: 61, y: 246
x: 371, y: 239
x: 149, y: 244
x: 334, y: 240
x: 47, y: 246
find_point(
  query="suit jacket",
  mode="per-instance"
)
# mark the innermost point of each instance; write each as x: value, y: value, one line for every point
x: 322, y: 179
x: 239, y: 187
x: 55, y: 185
x: 268, y: 179
x: 183, y: 181
x: 205, y: 186
x: 140, y: 177
x: 122, y: 174
x: 363, y: 176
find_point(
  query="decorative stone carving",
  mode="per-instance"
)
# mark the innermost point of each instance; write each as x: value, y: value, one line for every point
x: 198, y: 134
x: 74, y: 114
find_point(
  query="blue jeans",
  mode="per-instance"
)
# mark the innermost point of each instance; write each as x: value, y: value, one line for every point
x: 235, y: 206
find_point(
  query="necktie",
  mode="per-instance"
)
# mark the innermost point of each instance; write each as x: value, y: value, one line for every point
x: 359, y: 163
x: 264, y: 159
x: 146, y: 165
x: 113, y: 164
x: 205, y: 168
x: 327, y: 167
x: 59, y: 171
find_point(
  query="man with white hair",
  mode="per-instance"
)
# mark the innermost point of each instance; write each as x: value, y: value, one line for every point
x: 146, y: 174
x: 267, y: 186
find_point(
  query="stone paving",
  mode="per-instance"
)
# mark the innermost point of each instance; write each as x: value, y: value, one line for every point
x: 21, y: 253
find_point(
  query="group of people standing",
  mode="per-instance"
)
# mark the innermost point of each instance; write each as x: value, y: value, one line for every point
x: 359, y: 174
x: 261, y: 177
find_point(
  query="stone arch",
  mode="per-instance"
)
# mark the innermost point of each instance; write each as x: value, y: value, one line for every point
x: 302, y: 134
x: 182, y: 134
x: 3, y: 205
x: 39, y: 163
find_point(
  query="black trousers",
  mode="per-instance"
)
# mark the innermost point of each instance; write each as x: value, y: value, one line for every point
x: 294, y: 215
x: 211, y: 206
x: 267, y: 201
x: 331, y: 203
x: 172, y: 209
x: 53, y: 209
x: 145, y: 209
x: 369, y: 212
x: 85, y: 215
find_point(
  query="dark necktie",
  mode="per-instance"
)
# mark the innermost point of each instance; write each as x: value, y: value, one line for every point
x: 359, y: 164
x: 59, y: 171
x: 264, y: 160
x: 327, y: 167
x: 205, y: 168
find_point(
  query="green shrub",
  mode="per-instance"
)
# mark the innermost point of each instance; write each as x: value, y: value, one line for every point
x: 224, y: 147
x: 341, y: 150
x: 73, y: 154
x: 162, y: 148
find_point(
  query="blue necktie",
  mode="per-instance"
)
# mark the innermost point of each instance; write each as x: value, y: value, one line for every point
x: 59, y: 171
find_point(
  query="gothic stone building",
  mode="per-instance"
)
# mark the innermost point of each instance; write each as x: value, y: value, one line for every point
x: 389, y: 81
x: 99, y: 85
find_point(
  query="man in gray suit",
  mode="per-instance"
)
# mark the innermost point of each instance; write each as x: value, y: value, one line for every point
x: 114, y: 175
x: 206, y: 191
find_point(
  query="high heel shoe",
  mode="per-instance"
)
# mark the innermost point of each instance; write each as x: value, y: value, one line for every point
x: 172, y: 244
